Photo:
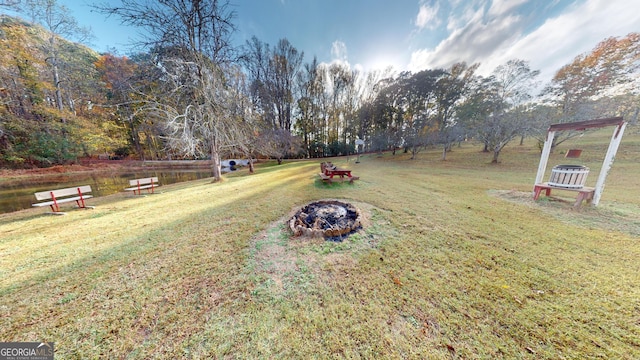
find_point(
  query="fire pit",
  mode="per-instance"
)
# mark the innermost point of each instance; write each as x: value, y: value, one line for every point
x: 330, y: 219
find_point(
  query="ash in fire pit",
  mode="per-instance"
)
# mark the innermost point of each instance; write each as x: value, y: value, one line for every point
x: 330, y: 219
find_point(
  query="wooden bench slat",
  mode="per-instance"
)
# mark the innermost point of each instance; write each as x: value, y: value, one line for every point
x: 141, y: 187
x: 144, y: 183
x: 582, y: 189
x: 46, y: 195
x: 63, y: 200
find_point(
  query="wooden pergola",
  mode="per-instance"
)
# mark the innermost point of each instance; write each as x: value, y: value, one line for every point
x: 619, y: 124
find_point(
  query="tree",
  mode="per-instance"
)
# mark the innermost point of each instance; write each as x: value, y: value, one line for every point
x: 427, y: 117
x: 310, y: 91
x: 613, y: 63
x: 117, y: 74
x: 279, y: 143
x: 272, y: 74
x: 372, y: 85
x: 501, y: 100
x: 192, y: 44
x: 450, y: 90
x: 20, y: 85
x: 338, y: 79
x: 56, y: 20
x: 10, y: 4
x: 243, y: 124
x: 285, y: 62
x: 255, y: 58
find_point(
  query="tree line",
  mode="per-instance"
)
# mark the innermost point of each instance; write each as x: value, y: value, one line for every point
x: 192, y: 93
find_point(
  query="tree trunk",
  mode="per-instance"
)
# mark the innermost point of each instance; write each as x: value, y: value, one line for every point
x: 135, y: 138
x: 56, y: 75
x: 216, y: 167
x: 251, y: 168
x: 496, y: 153
x: 72, y: 105
x: 56, y: 81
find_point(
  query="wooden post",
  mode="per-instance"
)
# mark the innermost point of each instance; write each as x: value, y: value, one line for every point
x: 544, y: 157
x: 608, y: 161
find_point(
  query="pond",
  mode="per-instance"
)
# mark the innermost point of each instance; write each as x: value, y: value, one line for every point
x: 18, y: 195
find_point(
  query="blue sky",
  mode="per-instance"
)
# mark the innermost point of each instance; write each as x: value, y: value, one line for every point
x: 415, y: 34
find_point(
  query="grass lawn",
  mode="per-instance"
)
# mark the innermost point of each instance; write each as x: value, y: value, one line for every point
x: 455, y: 261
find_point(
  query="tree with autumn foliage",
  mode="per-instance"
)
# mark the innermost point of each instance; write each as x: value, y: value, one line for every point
x: 117, y: 74
x: 610, y: 64
x: 55, y: 18
x: 601, y: 73
x: 33, y: 132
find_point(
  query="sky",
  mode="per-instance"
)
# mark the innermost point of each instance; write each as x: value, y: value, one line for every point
x: 413, y: 35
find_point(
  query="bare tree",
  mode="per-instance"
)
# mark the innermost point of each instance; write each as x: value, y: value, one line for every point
x: 286, y: 61
x: 10, y: 4
x: 279, y: 143
x: 191, y: 40
x: 272, y: 73
x: 511, y: 84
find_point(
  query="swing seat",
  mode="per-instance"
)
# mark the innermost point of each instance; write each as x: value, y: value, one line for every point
x: 573, y: 153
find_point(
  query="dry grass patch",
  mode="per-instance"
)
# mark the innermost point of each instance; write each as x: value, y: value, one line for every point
x: 609, y: 216
x: 282, y: 262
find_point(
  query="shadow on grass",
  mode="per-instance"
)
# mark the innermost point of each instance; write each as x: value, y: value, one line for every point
x: 128, y: 249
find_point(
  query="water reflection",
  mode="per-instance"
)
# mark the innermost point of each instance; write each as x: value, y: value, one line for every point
x: 18, y: 195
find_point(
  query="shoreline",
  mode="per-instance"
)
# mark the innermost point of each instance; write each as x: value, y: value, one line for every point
x: 91, y: 166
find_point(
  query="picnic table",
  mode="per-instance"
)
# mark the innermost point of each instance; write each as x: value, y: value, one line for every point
x: 330, y: 171
x: 338, y: 171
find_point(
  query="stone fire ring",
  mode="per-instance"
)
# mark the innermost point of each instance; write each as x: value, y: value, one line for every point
x: 330, y: 219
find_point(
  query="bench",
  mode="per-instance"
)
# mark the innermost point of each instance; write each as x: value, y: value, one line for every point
x: 325, y: 178
x: 326, y: 166
x: 584, y: 193
x: 137, y: 185
x: 60, y: 196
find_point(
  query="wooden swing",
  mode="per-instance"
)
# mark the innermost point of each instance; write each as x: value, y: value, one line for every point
x: 589, y: 194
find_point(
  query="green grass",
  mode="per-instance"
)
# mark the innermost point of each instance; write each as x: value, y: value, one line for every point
x: 455, y: 261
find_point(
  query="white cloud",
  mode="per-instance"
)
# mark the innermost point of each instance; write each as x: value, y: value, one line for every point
x: 461, y: 17
x: 428, y: 17
x: 559, y: 40
x: 500, y: 7
x: 496, y: 36
x: 472, y: 43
